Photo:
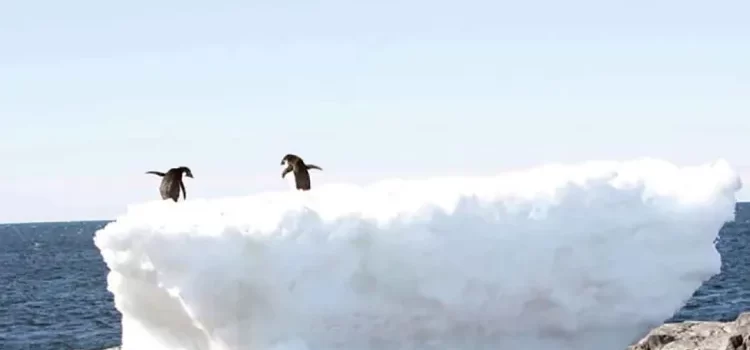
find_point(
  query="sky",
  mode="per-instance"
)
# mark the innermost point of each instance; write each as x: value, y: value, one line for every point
x: 95, y: 93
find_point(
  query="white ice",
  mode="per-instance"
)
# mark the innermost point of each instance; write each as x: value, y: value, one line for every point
x: 583, y: 256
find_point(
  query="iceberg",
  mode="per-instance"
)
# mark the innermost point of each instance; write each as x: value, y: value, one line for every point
x: 561, y: 256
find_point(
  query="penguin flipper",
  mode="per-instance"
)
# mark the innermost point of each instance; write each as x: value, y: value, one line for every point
x: 156, y: 173
x: 286, y: 171
x: 313, y: 166
x: 184, y: 193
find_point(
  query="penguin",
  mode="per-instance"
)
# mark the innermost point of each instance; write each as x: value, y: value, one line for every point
x: 171, y: 182
x: 296, y: 165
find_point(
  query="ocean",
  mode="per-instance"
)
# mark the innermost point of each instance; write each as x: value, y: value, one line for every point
x: 53, y: 287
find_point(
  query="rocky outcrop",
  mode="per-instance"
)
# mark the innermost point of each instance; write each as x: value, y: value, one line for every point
x: 696, y: 335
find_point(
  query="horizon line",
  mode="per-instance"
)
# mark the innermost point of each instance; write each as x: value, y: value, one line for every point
x: 113, y: 220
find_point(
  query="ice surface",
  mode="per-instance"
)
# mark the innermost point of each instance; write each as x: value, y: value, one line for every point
x: 583, y: 256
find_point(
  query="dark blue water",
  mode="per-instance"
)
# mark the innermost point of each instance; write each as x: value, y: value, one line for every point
x: 53, y: 288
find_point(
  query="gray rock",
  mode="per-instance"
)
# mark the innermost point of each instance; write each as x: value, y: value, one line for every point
x: 693, y: 335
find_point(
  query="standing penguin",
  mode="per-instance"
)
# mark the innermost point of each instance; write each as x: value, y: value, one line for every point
x: 296, y: 165
x: 171, y: 182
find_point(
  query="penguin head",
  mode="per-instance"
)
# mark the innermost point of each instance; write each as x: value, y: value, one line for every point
x: 187, y: 171
x: 288, y: 159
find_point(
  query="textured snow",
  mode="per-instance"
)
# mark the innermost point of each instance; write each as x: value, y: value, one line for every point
x: 581, y: 256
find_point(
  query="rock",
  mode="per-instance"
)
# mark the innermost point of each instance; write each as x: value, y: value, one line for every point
x: 693, y: 335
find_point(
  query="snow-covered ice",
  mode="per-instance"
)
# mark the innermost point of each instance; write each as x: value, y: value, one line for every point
x: 582, y: 256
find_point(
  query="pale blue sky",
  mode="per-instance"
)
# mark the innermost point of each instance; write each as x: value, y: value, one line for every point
x: 94, y: 93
